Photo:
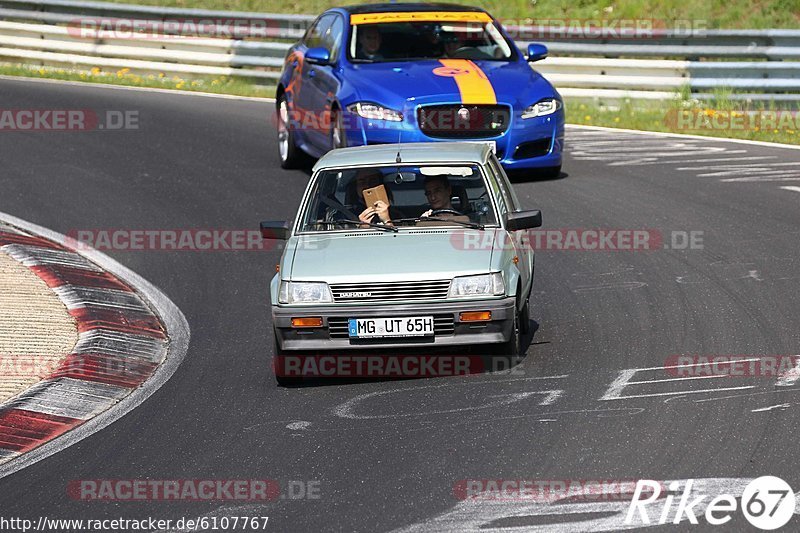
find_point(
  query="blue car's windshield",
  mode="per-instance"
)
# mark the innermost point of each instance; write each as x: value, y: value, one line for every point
x: 409, y: 41
x: 456, y: 194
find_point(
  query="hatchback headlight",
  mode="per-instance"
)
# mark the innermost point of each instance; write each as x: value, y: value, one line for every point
x: 375, y: 112
x: 480, y: 285
x: 545, y: 107
x: 303, y: 292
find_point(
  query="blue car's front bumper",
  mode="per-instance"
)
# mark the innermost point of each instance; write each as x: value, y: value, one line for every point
x: 527, y: 143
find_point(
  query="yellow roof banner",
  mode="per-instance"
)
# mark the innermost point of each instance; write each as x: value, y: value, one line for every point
x: 419, y: 16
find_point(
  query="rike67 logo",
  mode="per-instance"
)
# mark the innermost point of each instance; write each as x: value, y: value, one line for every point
x: 767, y: 502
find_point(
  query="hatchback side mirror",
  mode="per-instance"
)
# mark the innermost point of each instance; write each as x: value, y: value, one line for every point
x: 523, y: 220
x: 276, y: 229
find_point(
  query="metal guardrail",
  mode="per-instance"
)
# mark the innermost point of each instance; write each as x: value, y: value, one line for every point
x: 47, y: 33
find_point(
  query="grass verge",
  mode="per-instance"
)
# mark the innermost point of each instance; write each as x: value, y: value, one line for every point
x: 218, y: 85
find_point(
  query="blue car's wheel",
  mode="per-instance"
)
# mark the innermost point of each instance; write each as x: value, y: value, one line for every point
x: 288, y: 150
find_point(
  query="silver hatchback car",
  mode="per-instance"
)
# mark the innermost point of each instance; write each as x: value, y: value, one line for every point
x: 403, y: 245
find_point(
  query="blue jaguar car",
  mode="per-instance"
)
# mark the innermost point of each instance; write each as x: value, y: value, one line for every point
x: 388, y: 73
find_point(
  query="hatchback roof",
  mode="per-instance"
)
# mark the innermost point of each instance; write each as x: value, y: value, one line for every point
x: 404, y: 7
x: 410, y: 153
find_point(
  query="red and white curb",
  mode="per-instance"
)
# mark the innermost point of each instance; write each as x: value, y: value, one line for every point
x: 131, y: 339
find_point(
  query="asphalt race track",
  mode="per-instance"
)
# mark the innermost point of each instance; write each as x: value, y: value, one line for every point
x: 386, y: 455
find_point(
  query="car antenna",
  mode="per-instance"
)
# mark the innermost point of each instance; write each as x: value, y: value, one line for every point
x: 398, y: 159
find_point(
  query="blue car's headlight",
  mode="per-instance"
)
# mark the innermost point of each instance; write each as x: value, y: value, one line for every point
x: 299, y: 292
x: 372, y: 111
x: 481, y: 285
x: 542, y: 108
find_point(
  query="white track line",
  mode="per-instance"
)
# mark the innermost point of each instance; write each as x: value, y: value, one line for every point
x: 790, y: 188
x: 177, y: 329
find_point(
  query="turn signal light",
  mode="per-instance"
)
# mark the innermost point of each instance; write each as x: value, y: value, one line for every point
x: 476, y: 316
x: 307, y: 322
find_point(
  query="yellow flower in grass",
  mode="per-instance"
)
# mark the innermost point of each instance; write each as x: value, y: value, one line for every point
x: 160, y: 74
x: 121, y: 73
x: 42, y: 72
x: 151, y: 77
x: 180, y: 84
x: 616, y: 119
x: 95, y: 71
x: 587, y: 118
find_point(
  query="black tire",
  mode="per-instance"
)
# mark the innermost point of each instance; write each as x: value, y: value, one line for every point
x: 525, y: 318
x: 290, y: 154
x: 338, y: 135
x: 279, y: 363
x: 550, y: 172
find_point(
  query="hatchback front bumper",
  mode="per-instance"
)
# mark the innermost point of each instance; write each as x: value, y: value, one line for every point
x: 454, y: 332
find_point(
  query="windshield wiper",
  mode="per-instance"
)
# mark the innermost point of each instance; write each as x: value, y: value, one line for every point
x: 473, y: 225
x: 358, y: 222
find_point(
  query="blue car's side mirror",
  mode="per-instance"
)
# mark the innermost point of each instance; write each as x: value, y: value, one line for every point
x: 536, y: 52
x: 318, y: 56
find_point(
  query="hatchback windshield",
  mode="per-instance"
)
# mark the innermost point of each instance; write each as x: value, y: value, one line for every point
x: 417, y: 196
x: 405, y: 41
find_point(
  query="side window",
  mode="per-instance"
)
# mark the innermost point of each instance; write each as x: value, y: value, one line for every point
x: 508, y: 191
x: 332, y: 38
x: 313, y: 38
x: 496, y: 191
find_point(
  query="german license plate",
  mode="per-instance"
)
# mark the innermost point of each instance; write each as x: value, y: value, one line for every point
x: 364, y: 328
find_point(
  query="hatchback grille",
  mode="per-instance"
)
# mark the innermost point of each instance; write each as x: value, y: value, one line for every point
x: 386, y: 292
x: 456, y: 121
x: 442, y: 325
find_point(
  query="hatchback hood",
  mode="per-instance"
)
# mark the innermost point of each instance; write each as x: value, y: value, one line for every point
x: 425, y: 254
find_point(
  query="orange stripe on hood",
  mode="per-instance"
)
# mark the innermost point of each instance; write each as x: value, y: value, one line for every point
x: 474, y: 86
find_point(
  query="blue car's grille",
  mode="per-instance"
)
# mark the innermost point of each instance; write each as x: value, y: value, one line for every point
x: 456, y: 121
x: 384, y: 292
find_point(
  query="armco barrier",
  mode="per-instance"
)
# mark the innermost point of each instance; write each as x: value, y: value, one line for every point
x: 756, y: 62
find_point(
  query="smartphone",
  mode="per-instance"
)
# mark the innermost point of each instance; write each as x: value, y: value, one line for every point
x: 375, y: 194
